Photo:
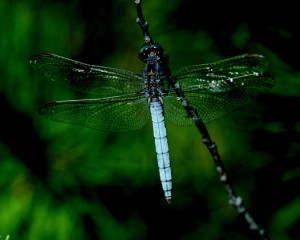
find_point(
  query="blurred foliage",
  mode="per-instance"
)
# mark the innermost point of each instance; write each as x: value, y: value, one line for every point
x: 65, y: 182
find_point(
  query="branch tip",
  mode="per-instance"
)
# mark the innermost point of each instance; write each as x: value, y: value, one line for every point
x: 142, y: 22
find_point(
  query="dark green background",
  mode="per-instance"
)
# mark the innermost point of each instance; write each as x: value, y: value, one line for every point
x: 64, y: 182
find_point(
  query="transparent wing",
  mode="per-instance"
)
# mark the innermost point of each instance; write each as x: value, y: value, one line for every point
x: 96, y: 80
x: 116, y: 114
x: 218, y: 88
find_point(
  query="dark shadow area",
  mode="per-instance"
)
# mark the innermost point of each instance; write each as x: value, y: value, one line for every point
x: 18, y: 133
x: 264, y: 22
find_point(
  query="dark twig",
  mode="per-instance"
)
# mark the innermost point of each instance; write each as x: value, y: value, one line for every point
x: 143, y: 24
x: 234, y: 199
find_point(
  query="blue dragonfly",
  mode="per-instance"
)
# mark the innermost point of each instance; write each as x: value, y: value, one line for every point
x: 123, y: 101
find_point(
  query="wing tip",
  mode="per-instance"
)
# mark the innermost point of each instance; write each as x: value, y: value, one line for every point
x: 42, y: 108
x: 254, y: 55
x: 36, y: 56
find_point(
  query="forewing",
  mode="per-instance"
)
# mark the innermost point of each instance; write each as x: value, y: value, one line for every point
x: 116, y: 114
x: 90, y: 79
x: 214, y: 74
x: 218, y: 88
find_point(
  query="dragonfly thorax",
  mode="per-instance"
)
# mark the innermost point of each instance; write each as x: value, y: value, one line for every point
x: 154, y: 79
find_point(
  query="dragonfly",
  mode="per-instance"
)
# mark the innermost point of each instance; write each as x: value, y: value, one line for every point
x: 121, y: 101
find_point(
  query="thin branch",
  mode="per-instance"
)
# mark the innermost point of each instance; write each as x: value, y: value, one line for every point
x: 234, y: 199
x: 142, y: 23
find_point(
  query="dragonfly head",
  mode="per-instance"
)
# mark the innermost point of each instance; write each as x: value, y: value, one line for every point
x: 153, y: 52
